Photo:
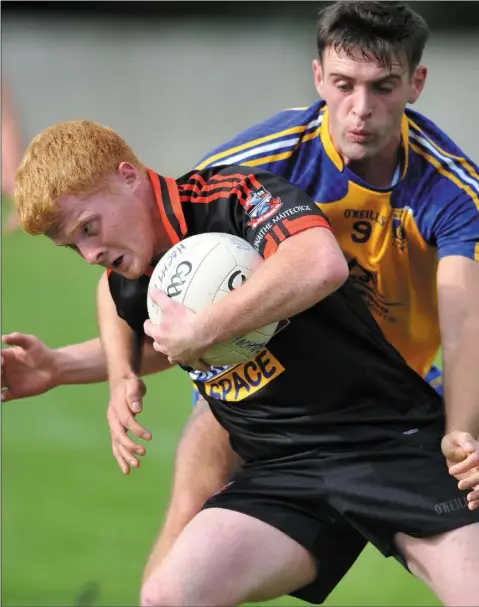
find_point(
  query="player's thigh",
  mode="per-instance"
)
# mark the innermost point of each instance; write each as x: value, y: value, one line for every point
x: 289, y: 496
x: 448, y: 563
x: 225, y: 557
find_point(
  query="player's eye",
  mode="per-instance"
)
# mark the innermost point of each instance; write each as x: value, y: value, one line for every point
x: 384, y: 89
x: 88, y: 228
x: 343, y: 86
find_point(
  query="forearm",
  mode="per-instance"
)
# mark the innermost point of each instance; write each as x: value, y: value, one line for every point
x: 116, y: 336
x: 461, y: 383
x: 85, y: 363
x: 116, y: 340
x: 290, y: 281
x: 204, y: 463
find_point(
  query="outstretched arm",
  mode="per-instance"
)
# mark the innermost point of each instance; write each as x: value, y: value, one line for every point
x: 30, y: 367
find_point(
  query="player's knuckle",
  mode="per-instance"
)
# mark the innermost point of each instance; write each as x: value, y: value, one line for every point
x: 121, y: 439
x: 125, y: 419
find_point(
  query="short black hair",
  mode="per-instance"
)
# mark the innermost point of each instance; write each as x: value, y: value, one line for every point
x: 381, y: 31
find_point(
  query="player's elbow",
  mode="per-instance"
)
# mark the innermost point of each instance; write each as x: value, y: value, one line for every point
x: 322, y: 267
x: 329, y: 272
x: 337, y: 270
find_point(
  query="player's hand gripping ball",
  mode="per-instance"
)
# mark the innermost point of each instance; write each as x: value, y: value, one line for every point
x: 200, y: 270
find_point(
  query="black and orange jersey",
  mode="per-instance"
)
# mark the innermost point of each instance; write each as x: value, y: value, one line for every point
x: 327, y: 370
x: 391, y: 237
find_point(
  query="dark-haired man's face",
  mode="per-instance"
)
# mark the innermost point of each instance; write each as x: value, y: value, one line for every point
x: 365, y: 102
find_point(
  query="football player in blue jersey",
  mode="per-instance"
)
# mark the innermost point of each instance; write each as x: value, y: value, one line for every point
x: 403, y: 202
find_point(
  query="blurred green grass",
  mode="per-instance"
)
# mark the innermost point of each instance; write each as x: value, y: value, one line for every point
x: 70, y: 521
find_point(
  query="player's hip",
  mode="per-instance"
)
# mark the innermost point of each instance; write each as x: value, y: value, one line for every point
x: 261, y: 434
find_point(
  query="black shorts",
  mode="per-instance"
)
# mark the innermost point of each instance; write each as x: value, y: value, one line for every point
x: 334, y: 504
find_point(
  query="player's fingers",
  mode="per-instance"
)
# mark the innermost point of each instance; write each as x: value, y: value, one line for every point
x: 6, y: 394
x: 198, y: 365
x: 121, y: 438
x: 8, y: 355
x: 120, y: 417
x: 138, y: 430
x: 18, y: 339
x: 134, y: 395
x: 473, y: 499
x: 160, y: 349
x: 470, y: 482
x: 121, y: 462
x: 468, y: 464
x: 130, y: 459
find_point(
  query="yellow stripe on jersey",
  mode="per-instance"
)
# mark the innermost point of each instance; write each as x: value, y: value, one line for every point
x: 283, y: 155
x: 251, y: 144
x: 268, y: 159
x: 436, y: 163
x: 462, y: 160
x: 476, y: 251
x: 312, y: 135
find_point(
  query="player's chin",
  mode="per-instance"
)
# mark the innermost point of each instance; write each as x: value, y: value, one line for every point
x: 360, y: 151
x: 133, y: 273
x: 134, y: 268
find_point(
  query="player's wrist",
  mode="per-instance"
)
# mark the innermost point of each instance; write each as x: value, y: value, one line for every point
x: 62, y: 369
x: 460, y: 429
x: 206, y: 332
x: 118, y: 374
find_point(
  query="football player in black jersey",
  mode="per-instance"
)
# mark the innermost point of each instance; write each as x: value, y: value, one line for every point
x: 329, y: 457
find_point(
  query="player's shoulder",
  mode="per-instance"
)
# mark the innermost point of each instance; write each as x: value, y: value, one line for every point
x: 426, y: 133
x: 227, y: 175
x: 266, y: 140
x: 444, y: 173
x: 449, y: 166
x: 442, y: 190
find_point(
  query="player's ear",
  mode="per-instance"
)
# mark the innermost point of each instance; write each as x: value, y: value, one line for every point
x: 130, y: 173
x: 418, y: 82
x: 318, y: 76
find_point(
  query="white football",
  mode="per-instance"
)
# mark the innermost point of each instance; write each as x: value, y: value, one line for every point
x: 198, y: 272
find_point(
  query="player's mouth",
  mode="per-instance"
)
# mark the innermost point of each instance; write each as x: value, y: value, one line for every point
x: 117, y: 263
x: 360, y: 135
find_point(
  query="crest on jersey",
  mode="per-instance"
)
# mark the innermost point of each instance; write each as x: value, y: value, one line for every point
x: 260, y: 205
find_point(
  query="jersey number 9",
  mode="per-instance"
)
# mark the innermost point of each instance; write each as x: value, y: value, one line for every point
x: 362, y: 231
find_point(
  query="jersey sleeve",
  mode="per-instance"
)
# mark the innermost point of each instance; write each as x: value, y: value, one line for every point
x: 266, y: 209
x: 129, y: 297
x: 455, y: 230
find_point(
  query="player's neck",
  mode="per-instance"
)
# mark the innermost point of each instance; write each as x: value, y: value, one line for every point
x: 378, y: 171
x: 161, y: 238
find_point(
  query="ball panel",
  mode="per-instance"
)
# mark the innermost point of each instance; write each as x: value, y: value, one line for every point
x: 222, y: 354
x: 201, y: 270
x: 201, y: 290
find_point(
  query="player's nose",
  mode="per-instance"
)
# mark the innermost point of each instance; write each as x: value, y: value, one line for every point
x: 362, y: 104
x: 93, y: 255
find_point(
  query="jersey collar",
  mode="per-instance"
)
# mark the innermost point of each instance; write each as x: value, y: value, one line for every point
x: 168, y: 202
x: 336, y: 158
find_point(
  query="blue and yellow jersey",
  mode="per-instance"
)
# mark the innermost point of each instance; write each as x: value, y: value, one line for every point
x: 392, y: 238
